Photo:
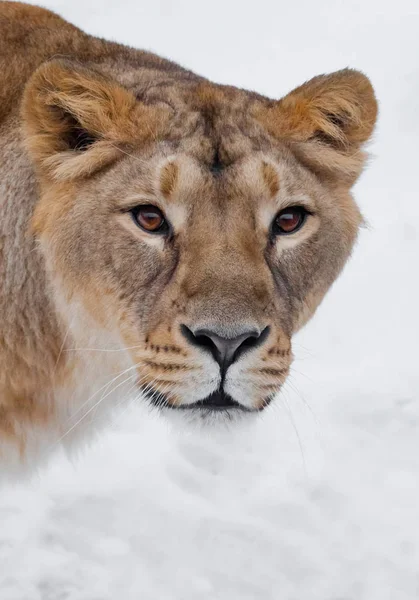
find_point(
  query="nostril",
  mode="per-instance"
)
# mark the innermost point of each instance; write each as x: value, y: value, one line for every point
x: 225, y: 350
x: 200, y: 339
x: 252, y: 341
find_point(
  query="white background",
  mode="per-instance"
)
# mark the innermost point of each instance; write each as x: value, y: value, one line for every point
x: 319, y: 499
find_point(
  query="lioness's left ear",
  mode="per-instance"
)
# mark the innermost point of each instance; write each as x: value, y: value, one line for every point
x: 75, y: 119
x: 326, y: 120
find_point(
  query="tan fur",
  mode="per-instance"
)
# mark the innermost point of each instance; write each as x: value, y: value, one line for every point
x: 271, y: 178
x: 88, y: 130
x: 168, y: 179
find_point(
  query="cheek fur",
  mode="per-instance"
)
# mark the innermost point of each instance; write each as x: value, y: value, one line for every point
x: 304, y: 273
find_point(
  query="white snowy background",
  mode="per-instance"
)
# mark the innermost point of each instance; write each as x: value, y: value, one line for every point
x: 319, y: 499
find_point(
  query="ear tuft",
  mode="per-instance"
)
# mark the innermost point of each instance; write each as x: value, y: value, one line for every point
x: 75, y: 119
x: 329, y: 114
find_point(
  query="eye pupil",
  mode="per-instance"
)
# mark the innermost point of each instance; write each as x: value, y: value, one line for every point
x: 150, y: 218
x: 289, y: 220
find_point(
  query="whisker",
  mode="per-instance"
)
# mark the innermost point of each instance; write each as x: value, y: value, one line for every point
x: 294, y: 370
x: 136, y: 396
x: 104, y: 349
x: 294, y: 426
x: 108, y: 383
x: 62, y: 346
x: 309, y: 352
x: 95, y: 405
x: 290, y: 384
x: 129, y: 405
x: 142, y: 391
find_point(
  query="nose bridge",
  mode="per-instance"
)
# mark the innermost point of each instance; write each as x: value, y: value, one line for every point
x: 226, y: 279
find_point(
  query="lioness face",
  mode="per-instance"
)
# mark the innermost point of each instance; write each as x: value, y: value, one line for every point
x: 198, y: 225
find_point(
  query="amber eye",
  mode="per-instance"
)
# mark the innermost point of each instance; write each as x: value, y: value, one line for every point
x: 150, y: 218
x: 289, y: 220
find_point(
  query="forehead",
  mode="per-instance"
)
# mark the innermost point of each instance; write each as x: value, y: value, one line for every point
x: 214, y: 123
x: 180, y: 177
x: 215, y: 150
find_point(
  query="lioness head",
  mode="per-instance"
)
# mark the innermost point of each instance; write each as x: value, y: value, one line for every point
x: 198, y: 225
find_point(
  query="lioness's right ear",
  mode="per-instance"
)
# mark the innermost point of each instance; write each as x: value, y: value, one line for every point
x: 75, y: 119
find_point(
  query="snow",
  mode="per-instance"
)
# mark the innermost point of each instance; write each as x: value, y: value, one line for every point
x: 319, y: 498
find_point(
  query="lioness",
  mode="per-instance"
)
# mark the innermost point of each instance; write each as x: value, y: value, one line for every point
x: 160, y: 235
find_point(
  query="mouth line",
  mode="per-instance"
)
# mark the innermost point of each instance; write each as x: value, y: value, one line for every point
x: 218, y: 401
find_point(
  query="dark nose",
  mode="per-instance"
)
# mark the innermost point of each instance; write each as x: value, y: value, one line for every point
x: 225, y: 350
